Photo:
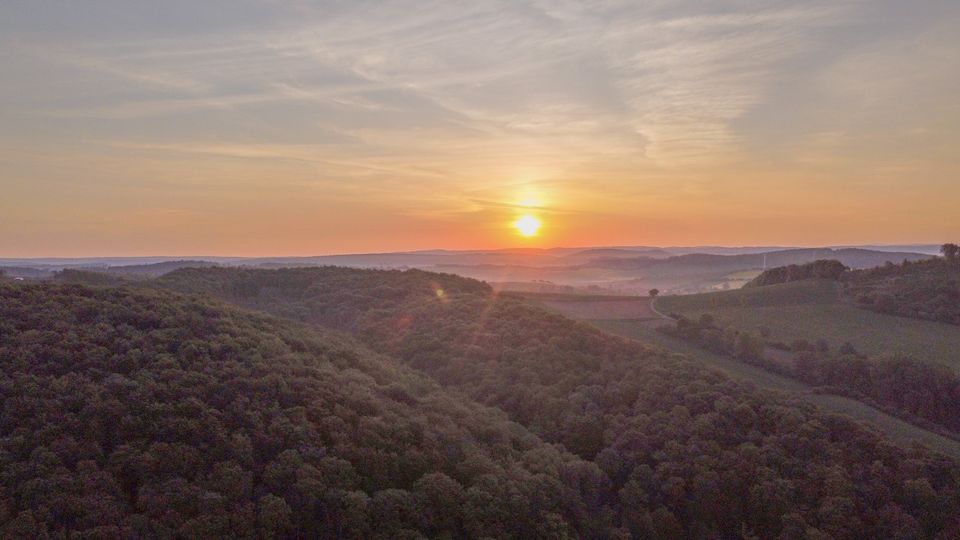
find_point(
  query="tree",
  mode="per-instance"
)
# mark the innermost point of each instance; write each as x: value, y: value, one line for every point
x: 654, y: 293
x: 440, y: 501
x: 748, y: 347
x: 273, y: 517
x: 950, y: 251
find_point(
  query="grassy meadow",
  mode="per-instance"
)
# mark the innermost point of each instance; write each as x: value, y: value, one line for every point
x: 813, y: 310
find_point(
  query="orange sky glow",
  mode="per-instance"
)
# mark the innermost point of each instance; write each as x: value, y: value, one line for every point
x: 268, y: 129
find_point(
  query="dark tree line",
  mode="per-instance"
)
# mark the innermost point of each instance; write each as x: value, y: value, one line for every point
x: 950, y: 252
x: 927, y: 394
x: 920, y: 391
x: 680, y: 452
x: 821, y: 269
x: 928, y: 289
x: 88, y: 277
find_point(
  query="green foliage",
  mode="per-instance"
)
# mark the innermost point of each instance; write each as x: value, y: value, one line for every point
x: 677, y: 451
x: 704, y: 332
x: 923, y: 290
x: 813, y: 310
x: 821, y: 269
x: 893, y: 427
x: 87, y: 277
x: 927, y: 394
x: 148, y: 414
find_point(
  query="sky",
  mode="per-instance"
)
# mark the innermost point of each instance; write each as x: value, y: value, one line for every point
x: 270, y: 127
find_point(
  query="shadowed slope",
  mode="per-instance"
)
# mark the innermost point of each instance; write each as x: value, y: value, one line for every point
x: 688, y: 451
x: 146, y: 413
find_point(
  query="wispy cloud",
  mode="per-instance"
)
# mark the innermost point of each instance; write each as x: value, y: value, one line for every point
x: 462, y: 104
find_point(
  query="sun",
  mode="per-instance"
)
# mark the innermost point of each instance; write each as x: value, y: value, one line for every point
x: 527, y: 225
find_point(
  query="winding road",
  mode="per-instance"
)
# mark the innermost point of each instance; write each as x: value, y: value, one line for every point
x: 653, y: 308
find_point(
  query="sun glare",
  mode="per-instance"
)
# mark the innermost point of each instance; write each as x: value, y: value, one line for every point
x: 527, y: 225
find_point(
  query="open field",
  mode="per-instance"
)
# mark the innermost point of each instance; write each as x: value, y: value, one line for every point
x: 812, y: 310
x: 795, y: 293
x: 598, y: 307
x: 735, y: 280
x: 584, y: 307
x: 899, y: 430
x: 631, y: 317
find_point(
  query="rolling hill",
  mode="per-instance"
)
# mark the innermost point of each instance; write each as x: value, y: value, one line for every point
x: 813, y: 309
x: 852, y: 257
x: 138, y: 413
x: 908, y: 400
x: 928, y: 290
x: 685, y: 452
x: 630, y: 270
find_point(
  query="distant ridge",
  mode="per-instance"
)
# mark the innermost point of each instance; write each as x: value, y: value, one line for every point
x: 852, y: 257
x: 431, y: 256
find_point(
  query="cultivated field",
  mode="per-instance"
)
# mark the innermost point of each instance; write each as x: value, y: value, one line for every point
x: 629, y: 308
x: 812, y: 310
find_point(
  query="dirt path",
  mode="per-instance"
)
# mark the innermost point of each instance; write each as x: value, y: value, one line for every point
x: 653, y: 308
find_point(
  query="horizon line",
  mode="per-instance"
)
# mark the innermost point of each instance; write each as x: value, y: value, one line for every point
x: 476, y: 250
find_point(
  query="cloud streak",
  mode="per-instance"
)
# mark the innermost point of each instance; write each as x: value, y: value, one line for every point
x: 666, y: 102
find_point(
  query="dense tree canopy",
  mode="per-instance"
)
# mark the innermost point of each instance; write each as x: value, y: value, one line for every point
x: 148, y: 414
x: 822, y: 269
x: 927, y: 289
x: 680, y: 452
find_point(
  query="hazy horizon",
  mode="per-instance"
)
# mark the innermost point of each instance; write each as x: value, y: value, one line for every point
x: 927, y: 247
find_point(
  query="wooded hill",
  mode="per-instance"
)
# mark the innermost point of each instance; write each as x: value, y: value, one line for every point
x: 926, y: 289
x: 822, y: 269
x: 680, y: 452
x: 147, y: 414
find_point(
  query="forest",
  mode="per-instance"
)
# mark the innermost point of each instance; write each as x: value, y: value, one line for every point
x: 821, y: 269
x: 680, y: 451
x: 928, y: 289
x: 143, y: 411
x: 153, y: 415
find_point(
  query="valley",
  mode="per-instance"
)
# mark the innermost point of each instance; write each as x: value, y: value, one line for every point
x: 640, y: 323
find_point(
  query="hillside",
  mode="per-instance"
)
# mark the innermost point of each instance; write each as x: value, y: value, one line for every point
x: 890, y: 423
x: 923, y: 290
x: 820, y: 269
x: 852, y: 257
x: 152, y: 269
x: 684, y: 452
x: 811, y: 310
x: 153, y: 415
x: 921, y: 400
